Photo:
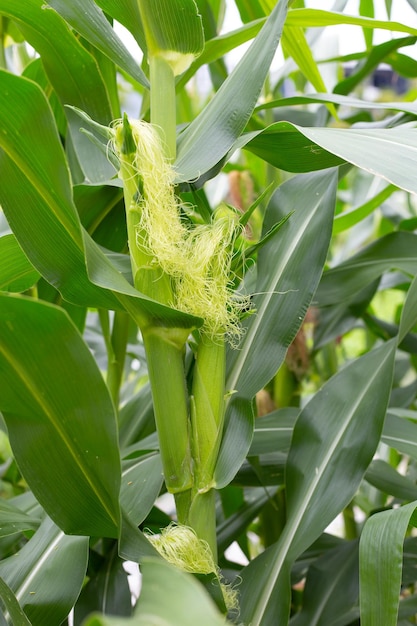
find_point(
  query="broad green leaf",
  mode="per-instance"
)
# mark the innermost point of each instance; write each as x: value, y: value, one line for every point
x: 217, y: 47
x: 334, y: 440
x: 316, y: 17
x: 273, y: 431
x: 127, y: 13
x: 348, y: 101
x: 47, y: 574
x: 337, y: 471
x: 295, y: 45
x: 283, y: 292
x: 142, y: 480
x: 9, y: 601
x: 380, y: 564
x: 331, y: 587
x: 16, y: 273
x: 356, y: 214
x: 384, y: 477
x: 89, y: 21
x: 73, y: 72
x: 394, y: 251
x: 224, y: 118
x: 107, y: 590
x: 14, y: 521
x: 400, y: 433
x: 408, y: 315
x: 281, y: 300
x: 50, y: 233
x: 133, y: 545
x: 184, y: 602
x: 173, y: 31
x: 60, y: 417
x: 389, y: 152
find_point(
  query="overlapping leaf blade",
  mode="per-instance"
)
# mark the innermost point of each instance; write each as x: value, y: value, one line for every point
x: 71, y: 69
x: 50, y: 232
x: 289, y: 269
x: 47, y: 574
x: 64, y: 434
x: 16, y: 273
x: 87, y: 19
x: 333, y: 443
x: 380, y: 560
x: 224, y: 118
x: 394, y: 251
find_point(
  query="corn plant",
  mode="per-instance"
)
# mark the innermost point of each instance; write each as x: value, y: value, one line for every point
x: 194, y: 384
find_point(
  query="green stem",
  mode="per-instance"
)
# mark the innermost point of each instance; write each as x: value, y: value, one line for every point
x: 116, y: 341
x: 119, y: 338
x: 351, y: 529
x: 202, y: 518
x: 166, y: 375
x: 163, y: 112
x: 207, y: 416
x: 207, y: 408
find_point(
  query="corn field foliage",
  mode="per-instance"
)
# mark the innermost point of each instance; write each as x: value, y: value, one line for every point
x: 208, y: 313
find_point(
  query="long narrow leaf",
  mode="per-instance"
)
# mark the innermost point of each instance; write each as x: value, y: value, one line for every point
x: 394, y: 251
x: 224, y: 118
x: 89, y: 21
x: 71, y: 69
x: 12, y: 606
x: 127, y: 13
x: 16, y: 273
x: 389, y: 152
x: 60, y: 417
x: 47, y: 574
x: 289, y: 269
x: 380, y: 560
x: 316, y: 17
x: 334, y: 440
x: 298, y: 250
x: 50, y: 233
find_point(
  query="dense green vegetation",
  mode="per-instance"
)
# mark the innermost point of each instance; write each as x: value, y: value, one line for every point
x: 208, y: 315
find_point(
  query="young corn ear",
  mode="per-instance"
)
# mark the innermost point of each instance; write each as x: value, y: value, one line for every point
x: 196, y: 258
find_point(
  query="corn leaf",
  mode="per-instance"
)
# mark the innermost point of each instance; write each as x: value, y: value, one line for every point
x: 89, y: 21
x: 224, y: 118
x: 127, y: 13
x: 301, y: 251
x: 333, y: 443
x: 308, y: 18
x: 295, y: 45
x: 50, y: 233
x: 72, y: 70
x: 173, y: 31
x: 16, y: 272
x: 64, y: 435
x: 394, y: 251
x: 12, y: 606
x: 47, y: 594
x: 380, y: 564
